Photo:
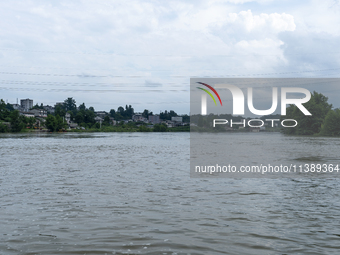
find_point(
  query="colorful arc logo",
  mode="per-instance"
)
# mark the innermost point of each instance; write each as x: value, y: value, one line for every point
x: 213, y: 90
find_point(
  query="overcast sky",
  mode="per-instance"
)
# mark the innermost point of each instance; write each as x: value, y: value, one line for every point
x: 143, y: 53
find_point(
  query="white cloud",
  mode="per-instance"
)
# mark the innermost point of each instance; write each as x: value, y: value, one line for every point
x: 163, y: 42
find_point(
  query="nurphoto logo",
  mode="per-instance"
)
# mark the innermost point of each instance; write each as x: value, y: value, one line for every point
x: 264, y: 127
x: 238, y: 103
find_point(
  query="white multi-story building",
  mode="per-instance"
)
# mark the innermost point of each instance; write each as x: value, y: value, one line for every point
x: 26, y: 104
x: 154, y: 119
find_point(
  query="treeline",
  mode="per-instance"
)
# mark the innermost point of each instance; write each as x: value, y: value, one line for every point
x: 83, y: 115
x: 166, y: 115
x: 12, y: 121
x: 324, y: 120
x: 55, y: 123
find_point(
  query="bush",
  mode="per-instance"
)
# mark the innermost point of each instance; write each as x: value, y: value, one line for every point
x: 3, y: 128
x: 143, y: 128
x: 160, y: 128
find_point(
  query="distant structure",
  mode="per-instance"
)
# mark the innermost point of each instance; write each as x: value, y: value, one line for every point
x: 99, y: 120
x: 16, y: 107
x: 101, y: 114
x: 26, y: 104
x: 177, y: 119
x: 68, y: 118
x: 138, y: 117
x: 48, y: 108
x: 154, y: 119
x: 38, y: 113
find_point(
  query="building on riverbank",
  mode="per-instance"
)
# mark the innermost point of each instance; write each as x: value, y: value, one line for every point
x: 154, y: 119
x: 26, y: 104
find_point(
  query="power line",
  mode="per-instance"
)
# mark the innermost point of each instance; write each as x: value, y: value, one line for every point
x: 87, y: 84
x: 173, y: 76
x: 273, y: 82
x: 93, y: 90
x: 139, y: 69
x: 163, y: 55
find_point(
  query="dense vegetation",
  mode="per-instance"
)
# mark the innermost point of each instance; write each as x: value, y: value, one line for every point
x: 85, y: 117
x: 323, y: 121
x: 12, y: 121
x: 55, y: 123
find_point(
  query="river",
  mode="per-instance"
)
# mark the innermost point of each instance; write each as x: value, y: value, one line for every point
x: 131, y: 193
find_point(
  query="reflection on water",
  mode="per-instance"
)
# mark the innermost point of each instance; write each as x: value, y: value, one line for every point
x: 312, y: 159
x: 121, y: 193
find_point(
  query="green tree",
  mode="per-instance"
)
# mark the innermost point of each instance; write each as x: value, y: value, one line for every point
x: 3, y: 128
x: 79, y: 118
x: 129, y: 111
x: 60, y: 124
x: 3, y: 110
x: 70, y: 104
x: 89, y: 116
x: 112, y: 113
x: 121, y: 111
x: 16, y: 122
x: 59, y: 110
x: 186, y: 118
x: 106, y: 121
x: 50, y: 123
x: 147, y: 113
x: 36, y: 106
x: 118, y: 116
x: 160, y: 128
x: 308, y: 124
x: 143, y: 128
x: 31, y: 121
x: 96, y: 125
x: 167, y: 115
x: 55, y: 123
x: 82, y: 107
x: 9, y: 107
x: 28, y: 121
x: 331, y: 124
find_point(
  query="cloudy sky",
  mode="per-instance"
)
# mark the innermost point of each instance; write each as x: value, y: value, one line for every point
x: 143, y: 53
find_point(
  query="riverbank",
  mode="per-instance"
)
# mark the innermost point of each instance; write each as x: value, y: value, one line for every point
x: 120, y: 128
x: 131, y: 129
x: 229, y: 130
